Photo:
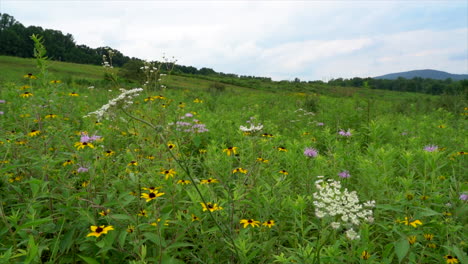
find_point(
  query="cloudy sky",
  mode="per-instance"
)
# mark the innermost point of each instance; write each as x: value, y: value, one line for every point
x: 311, y: 40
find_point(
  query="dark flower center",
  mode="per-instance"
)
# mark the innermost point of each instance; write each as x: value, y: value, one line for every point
x: 152, y: 195
x: 99, y: 230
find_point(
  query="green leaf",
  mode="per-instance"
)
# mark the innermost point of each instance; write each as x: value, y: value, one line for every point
x: 460, y: 255
x: 88, y: 260
x: 32, y: 250
x: 401, y: 249
x: 35, y: 223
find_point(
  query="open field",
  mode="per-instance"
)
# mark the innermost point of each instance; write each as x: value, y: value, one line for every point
x: 330, y: 176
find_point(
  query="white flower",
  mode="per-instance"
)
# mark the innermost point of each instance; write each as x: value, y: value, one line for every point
x: 335, y: 225
x: 352, y: 235
x: 252, y: 128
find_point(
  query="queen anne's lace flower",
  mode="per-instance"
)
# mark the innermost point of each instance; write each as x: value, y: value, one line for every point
x: 124, y: 100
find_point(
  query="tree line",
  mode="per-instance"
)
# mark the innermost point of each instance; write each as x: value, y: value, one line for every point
x: 15, y: 41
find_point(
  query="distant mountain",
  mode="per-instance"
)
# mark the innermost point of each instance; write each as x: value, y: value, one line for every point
x: 425, y: 74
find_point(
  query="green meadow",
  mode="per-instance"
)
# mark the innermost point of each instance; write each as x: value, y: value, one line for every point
x: 91, y: 173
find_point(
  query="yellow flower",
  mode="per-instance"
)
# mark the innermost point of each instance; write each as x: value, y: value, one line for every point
x: 195, y: 218
x: 99, y: 230
x: 283, y: 172
x: 198, y: 101
x: 73, y: 94
x: 109, y: 153
x: 267, y: 135
x: 269, y: 223
x: 241, y: 170
x: 183, y: 182
x: 132, y: 163
x: 414, y: 223
x: 171, y: 146
x: 208, y: 181
x: 282, y: 149
x: 150, y: 157
x: 34, y: 133
x: 428, y: 237
x: 24, y: 87
x: 51, y: 116
x: 230, y: 150
x: 251, y: 222
x: 151, y: 195
x: 411, y: 240
x: 143, y: 212
x: 84, y: 184
x: 168, y: 173
x: 148, y: 99
x: 82, y: 145
x: 55, y: 81
x: 130, y: 229
x: 451, y: 259
x: 262, y: 160
x: 365, y: 255
x: 26, y: 94
x: 211, y: 207
x: 181, y: 104
x: 29, y: 76
x: 68, y: 162
x: 104, y: 213
x: 202, y: 151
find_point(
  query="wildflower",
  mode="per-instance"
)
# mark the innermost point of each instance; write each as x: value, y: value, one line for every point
x: 441, y: 126
x: 320, y: 124
x: 84, y: 184
x: 409, y: 196
x: 29, y: 76
x: 210, y: 206
x: 241, y: 170
x: 123, y: 101
x: 68, y: 162
x: 150, y: 157
x: 267, y: 135
x: 55, y: 81
x: 252, y: 128
x: 171, y: 146
x: 109, y: 153
x: 104, y: 213
x: 130, y: 229
x: 24, y: 87
x: 431, y: 148
x: 99, y: 230
x: 463, y: 197
x: 143, y: 212
x: 51, y: 116
x: 335, y: 225
x: 344, y: 133
x: 283, y: 172
x: 34, y: 133
x: 344, y: 174
x: 132, y: 163
x: 451, y: 259
x: 183, y: 182
x: 73, y: 94
x: 424, y: 197
x: 151, y: 189
x: 195, y: 218
x: 168, y: 173
x: 411, y: 240
x: 462, y: 153
x: 202, y: 151
x: 181, y: 104
x: 251, y: 222
x: 428, y: 237
x: 148, y: 99
x: 431, y: 245
x: 82, y: 169
x: 282, y: 149
x: 269, y: 223
x: 82, y: 145
x: 311, y: 152
x: 151, y: 195
x: 262, y: 160
x: 26, y: 94
x: 208, y: 181
x: 198, y: 101
x: 414, y: 223
x: 230, y: 150
x: 365, y: 255
x: 352, y: 235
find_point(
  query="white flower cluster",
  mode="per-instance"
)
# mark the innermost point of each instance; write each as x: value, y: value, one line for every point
x: 343, y: 206
x: 252, y: 128
x: 124, y: 100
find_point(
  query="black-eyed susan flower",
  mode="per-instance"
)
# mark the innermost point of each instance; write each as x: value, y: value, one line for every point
x: 269, y: 223
x: 84, y: 184
x: 151, y: 189
x: 414, y: 223
x: 171, y: 146
x: 82, y: 145
x: 424, y: 197
x: 68, y: 162
x: 73, y: 94
x: 181, y: 104
x: 449, y: 259
x: 151, y: 195
x: 130, y: 229
x: 282, y: 149
x: 211, y: 206
x: 202, y: 151
x: 241, y: 170
x: 55, y: 81
x: 267, y: 135
x: 26, y: 94
x: 29, y: 76
x: 441, y: 126
x: 431, y: 245
x: 262, y: 160
x: 283, y: 172
x: 148, y: 99
x: 132, y: 163
x: 251, y: 222
x: 411, y: 239
x: 230, y: 151
x: 24, y: 87
x: 428, y: 237
x: 104, y: 212
x: 198, y: 101
x: 195, y: 218
x: 183, y: 182
x: 365, y: 255
x: 143, y: 212
x: 208, y: 181
x: 109, y: 153
x: 150, y: 157
x: 409, y: 196
x: 97, y: 231
x: 34, y: 133
x: 168, y: 173
x: 51, y: 116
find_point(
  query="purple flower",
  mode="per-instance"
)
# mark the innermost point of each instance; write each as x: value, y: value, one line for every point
x: 188, y: 115
x: 344, y: 174
x: 464, y: 197
x: 320, y: 124
x: 1, y: 113
x: 2, y: 101
x: 344, y: 133
x: 431, y: 148
x: 404, y: 133
x: 311, y: 152
x: 82, y: 169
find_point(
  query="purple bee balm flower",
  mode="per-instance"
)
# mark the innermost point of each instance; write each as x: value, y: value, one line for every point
x: 1, y: 113
x: 344, y: 174
x: 311, y: 152
x: 188, y: 115
x: 2, y: 101
x: 82, y: 169
x: 431, y: 148
x: 344, y: 133
x: 464, y: 197
x: 94, y: 137
x: 85, y: 138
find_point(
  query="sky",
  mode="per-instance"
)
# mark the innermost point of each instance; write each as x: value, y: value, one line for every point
x: 310, y: 40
